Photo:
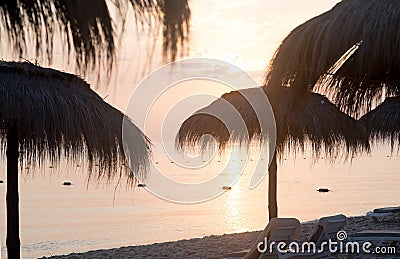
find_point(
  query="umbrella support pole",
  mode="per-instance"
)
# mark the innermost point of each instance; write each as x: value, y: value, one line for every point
x: 272, y: 188
x: 13, y: 241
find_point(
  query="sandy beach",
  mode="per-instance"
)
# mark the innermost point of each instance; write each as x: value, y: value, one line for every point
x: 217, y: 246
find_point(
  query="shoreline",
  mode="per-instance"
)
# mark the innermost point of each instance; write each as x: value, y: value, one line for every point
x: 215, y: 246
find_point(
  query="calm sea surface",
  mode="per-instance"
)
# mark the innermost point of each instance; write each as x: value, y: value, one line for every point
x: 57, y: 219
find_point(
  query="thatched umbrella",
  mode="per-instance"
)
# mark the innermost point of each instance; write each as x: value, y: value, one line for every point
x: 45, y: 113
x: 311, y: 48
x: 86, y: 27
x: 383, y: 123
x: 313, y: 119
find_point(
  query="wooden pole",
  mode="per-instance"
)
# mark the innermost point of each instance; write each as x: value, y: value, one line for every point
x: 13, y: 242
x: 272, y: 189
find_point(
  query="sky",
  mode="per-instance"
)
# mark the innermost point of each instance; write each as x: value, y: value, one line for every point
x: 245, y: 33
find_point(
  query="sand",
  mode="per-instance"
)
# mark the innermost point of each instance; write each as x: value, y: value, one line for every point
x: 217, y: 246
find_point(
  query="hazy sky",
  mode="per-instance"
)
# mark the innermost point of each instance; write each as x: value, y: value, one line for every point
x: 245, y: 33
x: 242, y: 32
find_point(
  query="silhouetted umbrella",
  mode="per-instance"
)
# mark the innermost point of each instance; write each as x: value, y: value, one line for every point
x: 87, y: 28
x: 383, y: 123
x: 45, y: 113
x: 314, y: 119
x: 311, y: 48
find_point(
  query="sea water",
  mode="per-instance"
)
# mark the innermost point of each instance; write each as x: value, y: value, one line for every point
x: 57, y: 219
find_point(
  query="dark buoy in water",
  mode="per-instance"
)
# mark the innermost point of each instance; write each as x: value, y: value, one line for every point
x: 1, y: 181
x: 226, y: 188
x: 323, y: 190
x: 67, y: 183
x: 141, y: 185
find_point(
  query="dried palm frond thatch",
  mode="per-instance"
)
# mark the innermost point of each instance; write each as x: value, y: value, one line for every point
x: 45, y: 113
x: 57, y: 115
x: 311, y: 49
x: 238, y: 115
x: 86, y: 28
x: 383, y: 123
x: 314, y: 119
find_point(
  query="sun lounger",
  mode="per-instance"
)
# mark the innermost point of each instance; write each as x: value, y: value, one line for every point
x: 327, y: 228
x: 277, y: 230
x: 387, y: 210
x: 381, y: 214
x: 379, y: 217
x: 377, y: 235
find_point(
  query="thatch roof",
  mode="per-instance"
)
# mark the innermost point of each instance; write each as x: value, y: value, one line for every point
x: 383, y: 123
x: 313, y: 119
x: 57, y: 115
x: 313, y: 47
x: 86, y: 27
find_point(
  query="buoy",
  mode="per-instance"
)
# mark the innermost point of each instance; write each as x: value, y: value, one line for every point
x: 323, y: 190
x: 67, y: 183
x: 78, y: 165
x: 1, y: 181
x: 141, y: 185
x: 51, y: 166
x: 226, y: 188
